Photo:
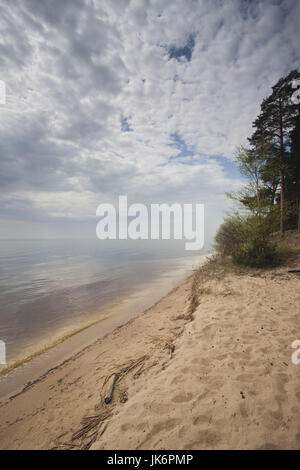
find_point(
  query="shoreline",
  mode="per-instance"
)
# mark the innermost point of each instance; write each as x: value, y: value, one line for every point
x: 32, y: 393
x: 21, y: 348
x: 114, y: 314
x: 215, y: 376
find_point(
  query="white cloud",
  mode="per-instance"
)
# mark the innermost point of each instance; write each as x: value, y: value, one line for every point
x: 73, y: 73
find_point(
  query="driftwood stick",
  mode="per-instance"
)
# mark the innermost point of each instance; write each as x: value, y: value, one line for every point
x: 110, y: 388
x: 89, y: 423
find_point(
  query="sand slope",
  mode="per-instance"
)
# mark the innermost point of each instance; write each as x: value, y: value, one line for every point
x: 231, y: 383
x: 222, y: 379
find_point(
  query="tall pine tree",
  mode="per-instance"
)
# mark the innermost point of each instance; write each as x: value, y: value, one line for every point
x: 273, y: 126
x: 293, y: 170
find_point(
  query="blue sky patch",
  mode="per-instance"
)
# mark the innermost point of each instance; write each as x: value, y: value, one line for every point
x: 179, y: 143
x: 185, y: 51
x: 125, y: 126
x: 229, y: 166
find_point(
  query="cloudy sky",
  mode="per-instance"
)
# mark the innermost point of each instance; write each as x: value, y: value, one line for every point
x: 146, y: 98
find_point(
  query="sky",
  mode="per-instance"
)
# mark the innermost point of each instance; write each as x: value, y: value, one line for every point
x: 144, y: 98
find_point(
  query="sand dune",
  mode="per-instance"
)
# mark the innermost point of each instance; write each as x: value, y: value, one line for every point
x: 220, y: 379
x: 231, y: 383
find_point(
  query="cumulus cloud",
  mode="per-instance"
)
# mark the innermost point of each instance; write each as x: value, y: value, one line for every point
x: 147, y: 98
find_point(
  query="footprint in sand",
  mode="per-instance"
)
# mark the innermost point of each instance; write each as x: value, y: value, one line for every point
x: 182, y: 398
x: 204, y: 438
x: 202, y: 419
x: 177, y: 380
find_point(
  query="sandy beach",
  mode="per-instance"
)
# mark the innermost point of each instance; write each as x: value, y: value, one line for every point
x: 215, y: 373
x: 150, y: 227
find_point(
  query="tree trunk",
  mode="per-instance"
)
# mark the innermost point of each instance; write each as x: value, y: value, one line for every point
x: 281, y: 201
x: 281, y: 170
x: 299, y: 217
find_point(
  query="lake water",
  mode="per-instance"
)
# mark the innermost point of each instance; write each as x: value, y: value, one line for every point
x: 50, y: 288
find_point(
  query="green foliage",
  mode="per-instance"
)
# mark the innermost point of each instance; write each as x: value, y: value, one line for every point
x: 229, y: 235
x: 275, y: 126
x: 277, y: 117
x: 257, y: 196
x: 272, y: 163
x: 291, y: 214
x: 256, y: 254
x: 247, y: 239
x: 293, y: 166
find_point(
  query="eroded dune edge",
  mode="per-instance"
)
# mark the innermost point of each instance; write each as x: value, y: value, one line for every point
x: 207, y: 367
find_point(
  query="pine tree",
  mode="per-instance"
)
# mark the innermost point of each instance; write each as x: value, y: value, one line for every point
x: 293, y: 170
x: 273, y: 126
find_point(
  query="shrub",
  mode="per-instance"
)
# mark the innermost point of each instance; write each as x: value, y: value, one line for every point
x: 229, y: 235
x: 256, y: 254
x: 247, y: 240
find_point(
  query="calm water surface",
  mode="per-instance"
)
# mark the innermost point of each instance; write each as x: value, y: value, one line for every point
x: 49, y: 288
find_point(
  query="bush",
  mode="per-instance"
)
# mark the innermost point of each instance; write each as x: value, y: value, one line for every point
x: 247, y: 240
x: 229, y: 235
x: 256, y: 254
